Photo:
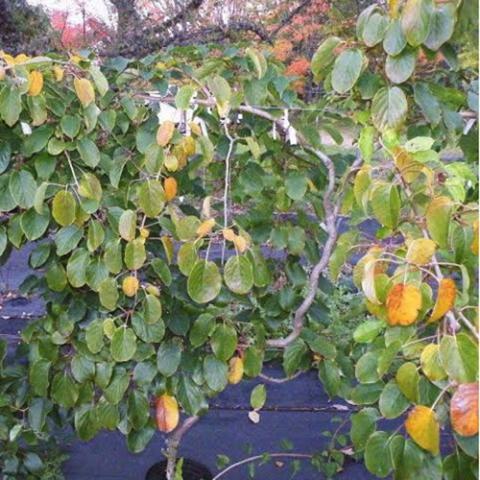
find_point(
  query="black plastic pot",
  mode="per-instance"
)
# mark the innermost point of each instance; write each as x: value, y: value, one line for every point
x: 192, y: 470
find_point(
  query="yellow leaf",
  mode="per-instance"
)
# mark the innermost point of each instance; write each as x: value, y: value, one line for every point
x: 188, y: 145
x: 35, y: 83
x: 21, y: 58
x: 464, y: 410
x: 228, y: 234
x: 403, y: 304
x: 421, y: 251
x: 205, y: 227
x: 171, y: 163
x: 170, y: 187
x: 409, y: 168
x: 195, y: 128
x: 130, y: 286
x: 235, y: 371
x: 430, y: 362
x: 58, y: 72
x: 167, y: 413
x: 447, y: 292
x: 144, y: 233
x: 393, y: 7
x: 9, y: 60
x: 165, y: 133
x: 84, y: 90
x: 167, y: 243
x: 474, y: 246
x: 422, y: 426
x: 240, y: 243
x: 2, y: 73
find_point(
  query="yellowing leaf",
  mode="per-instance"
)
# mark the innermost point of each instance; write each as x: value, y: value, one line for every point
x: 165, y: 133
x: 240, y: 243
x: 409, y: 168
x: 431, y: 363
x: 167, y: 413
x: 368, y: 280
x: 474, y: 246
x: 35, y: 83
x: 464, y: 410
x: 188, y: 146
x: 422, y: 426
x: 205, y: 227
x: 195, y: 128
x: 447, y: 292
x: 167, y: 243
x: 170, y: 187
x: 403, y: 304
x: 228, y: 234
x: 171, y: 163
x: 438, y: 216
x: 58, y: 73
x: 84, y: 90
x: 130, y: 286
x: 421, y: 251
x: 235, y: 371
x: 21, y: 58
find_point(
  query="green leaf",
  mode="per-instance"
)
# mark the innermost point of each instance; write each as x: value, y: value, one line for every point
x: 394, y: 41
x: 112, y: 256
x: 95, y: 235
x: 190, y: 396
x: 458, y: 355
x: 296, y: 185
x: 253, y: 361
x: 346, y: 70
x: 392, y: 402
x: 294, y: 356
x: 324, y: 57
x: 64, y: 390
x: 168, y: 357
x: 86, y: 422
x: 124, y: 344
x: 63, y: 208
x: 187, y: 257
x: 67, y: 238
x: 364, y: 423
x: 224, y: 342
x: 151, y: 198
x: 258, y: 397
x: 374, y: 29
x: 101, y: 83
x: 115, y: 392
x: 10, y: 105
x: 38, y: 377
x: 401, y: 67
x: 428, y: 103
x: 152, y: 309
x: 366, y: 368
x: 77, y: 268
x: 138, y: 409
x: 108, y: 293
x: 442, y: 26
x: 407, y: 380
x: 201, y: 329
x: 34, y: 225
x: 137, y: 440
x: 186, y: 227
x: 89, y: 152
x: 258, y: 61
x: 83, y: 369
x: 5, y: 156
x: 56, y: 277
x: 90, y: 187
x: 127, y: 225
x: 389, y: 108
x: 22, y: 188
x: 417, y: 16
x: 367, y: 331
x: 238, y: 274
x: 135, y: 254
x: 385, y: 201
x: 94, y: 336
x: 160, y: 267
x: 377, y: 455
x: 215, y: 372
x: 438, y: 216
x: 70, y: 125
x: 204, y: 282
x: 222, y: 92
x: 96, y: 273
x: 184, y: 96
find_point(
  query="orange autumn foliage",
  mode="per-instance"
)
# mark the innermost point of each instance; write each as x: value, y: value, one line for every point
x: 447, y: 292
x: 167, y: 413
x: 403, y: 304
x: 464, y: 410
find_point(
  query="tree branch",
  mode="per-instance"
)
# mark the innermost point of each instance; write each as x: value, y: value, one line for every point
x: 173, y: 443
x: 289, y: 17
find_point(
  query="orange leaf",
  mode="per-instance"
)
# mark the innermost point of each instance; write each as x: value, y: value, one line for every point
x: 235, y: 371
x: 228, y: 234
x: 84, y: 90
x: 205, y: 227
x: 165, y: 133
x: 403, y: 304
x: 167, y: 413
x: 474, y: 246
x: 170, y: 187
x: 240, y: 243
x: 447, y: 293
x: 423, y: 427
x: 35, y: 83
x: 464, y: 410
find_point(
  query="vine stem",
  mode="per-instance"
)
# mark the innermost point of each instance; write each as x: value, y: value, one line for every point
x: 71, y: 169
x: 254, y: 458
x: 173, y: 444
x: 279, y: 380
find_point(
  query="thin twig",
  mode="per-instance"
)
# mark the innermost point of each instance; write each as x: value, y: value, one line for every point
x: 306, y: 456
x: 227, y: 183
x: 279, y: 380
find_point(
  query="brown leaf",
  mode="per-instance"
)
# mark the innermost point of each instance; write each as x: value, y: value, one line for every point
x: 403, y: 304
x: 464, y: 410
x: 167, y: 413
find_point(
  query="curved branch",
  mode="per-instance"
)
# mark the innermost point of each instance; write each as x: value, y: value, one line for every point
x: 279, y: 380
